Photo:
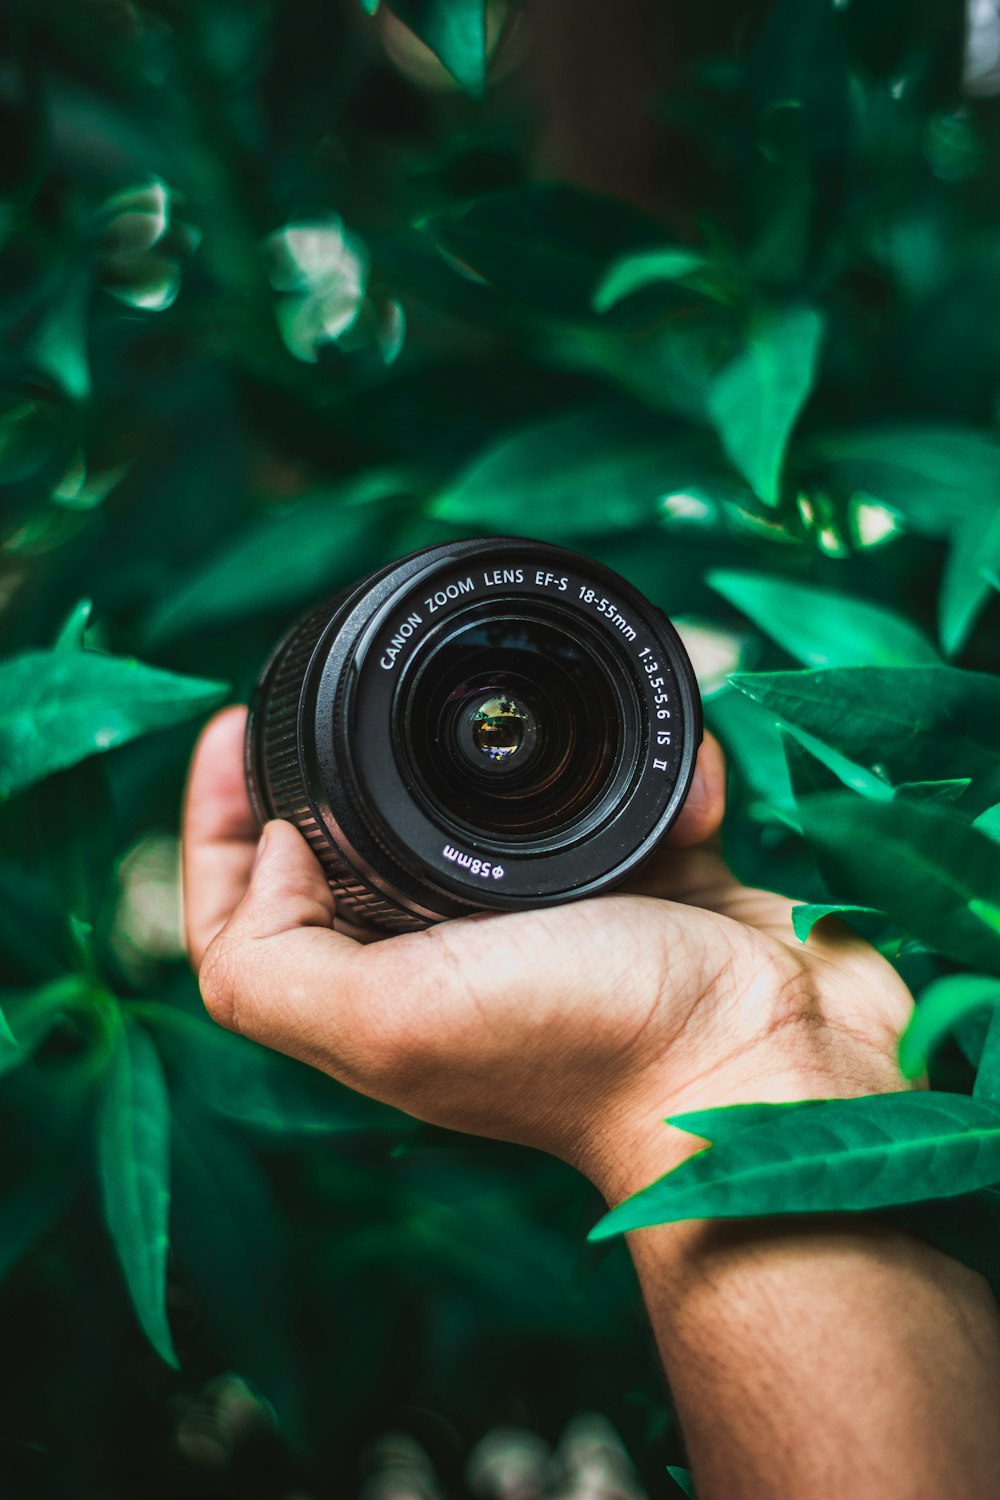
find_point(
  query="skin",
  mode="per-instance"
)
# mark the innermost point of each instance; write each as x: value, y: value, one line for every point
x: 821, y: 1359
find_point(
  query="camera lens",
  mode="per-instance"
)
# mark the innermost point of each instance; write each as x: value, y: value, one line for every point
x: 493, y: 723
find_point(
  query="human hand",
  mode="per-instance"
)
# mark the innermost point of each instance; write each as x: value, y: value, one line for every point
x: 573, y: 1028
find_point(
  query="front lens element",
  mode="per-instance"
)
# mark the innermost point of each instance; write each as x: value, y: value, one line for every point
x: 513, y: 726
x: 499, y: 727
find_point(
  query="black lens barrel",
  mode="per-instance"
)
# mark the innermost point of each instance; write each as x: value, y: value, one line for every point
x: 495, y: 723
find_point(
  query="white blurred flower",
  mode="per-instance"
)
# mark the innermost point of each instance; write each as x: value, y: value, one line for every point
x: 142, y: 246
x: 322, y: 272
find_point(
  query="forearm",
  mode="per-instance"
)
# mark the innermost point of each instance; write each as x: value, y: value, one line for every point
x: 832, y: 1359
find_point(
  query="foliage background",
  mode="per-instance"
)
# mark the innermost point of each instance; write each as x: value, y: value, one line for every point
x: 711, y: 293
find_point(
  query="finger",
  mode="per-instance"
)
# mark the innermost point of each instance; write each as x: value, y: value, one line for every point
x: 219, y: 831
x: 705, y: 803
x: 267, y: 969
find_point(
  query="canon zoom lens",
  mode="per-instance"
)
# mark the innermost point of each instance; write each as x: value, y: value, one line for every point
x: 485, y: 724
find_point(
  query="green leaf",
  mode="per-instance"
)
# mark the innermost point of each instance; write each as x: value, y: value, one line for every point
x: 940, y: 1007
x: 257, y: 1088
x: 34, y: 1014
x: 805, y: 917
x: 987, y: 1085
x: 919, y: 863
x: 9, y: 1046
x: 57, y: 707
x: 644, y: 268
x: 947, y: 791
x: 543, y: 247
x: 842, y: 1155
x: 134, y: 1168
x: 975, y: 548
x: 917, y: 723
x: 71, y: 635
x: 683, y: 1480
x: 454, y: 30
x: 580, y: 474
x: 303, y: 552
x: 988, y: 822
x: 933, y: 475
x: 822, y: 628
x: 943, y: 480
x: 756, y: 398
x: 231, y: 1239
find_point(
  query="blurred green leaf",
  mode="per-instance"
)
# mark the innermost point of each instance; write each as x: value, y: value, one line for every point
x: 57, y: 347
x: 988, y: 822
x: 454, y: 30
x: 33, y: 1014
x: 56, y: 707
x: 543, y: 247
x: 987, y: 1084
x: 805, y: 917
x: 943, y: 481
x: 134, y: 1166
x: 579, y: 474
x: 846, y: 1154
x: 230, y: 1237
x: 645, y: 268
x: 757, y: 397
x: 74, y: 628
x: 298, y: 554
x: 917, y: 723
x: 946, y: 791
x: 822, y: 628
x: 257, y: 1088
x: 940, y: 1007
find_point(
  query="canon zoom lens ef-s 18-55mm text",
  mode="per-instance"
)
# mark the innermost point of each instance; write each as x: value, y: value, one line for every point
x: 486, y: 724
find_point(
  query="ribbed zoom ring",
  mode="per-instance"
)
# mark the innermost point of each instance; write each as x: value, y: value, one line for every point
x: 283, y: 792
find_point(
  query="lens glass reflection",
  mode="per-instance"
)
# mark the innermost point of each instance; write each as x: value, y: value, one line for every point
x: 513, y: 726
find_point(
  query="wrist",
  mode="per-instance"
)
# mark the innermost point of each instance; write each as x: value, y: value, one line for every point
x: 632, y: 1145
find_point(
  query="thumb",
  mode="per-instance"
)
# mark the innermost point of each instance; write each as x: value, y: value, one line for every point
x: 274, y: 967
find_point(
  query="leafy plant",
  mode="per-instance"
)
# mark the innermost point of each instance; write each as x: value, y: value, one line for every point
x: 290, y: 290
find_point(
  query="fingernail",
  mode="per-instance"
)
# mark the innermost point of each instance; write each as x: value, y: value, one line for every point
x: 261, y: 846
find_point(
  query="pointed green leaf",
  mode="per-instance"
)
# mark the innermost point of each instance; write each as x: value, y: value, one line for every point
x: 919, y: 863
x: 975, y: 548
x: 756, y: 398
x: 941, y: 1006
x: 845, y: 1155
x: 455, y: 31
x: 644, y: 268
x: 805, y: 917
x: 57, y: 707
x: 71, y: 636
x: 682, y: 1478
x: 822, y: 628
x: 946, y: 791
x: 134, y: 1168
x: 917, y: 723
